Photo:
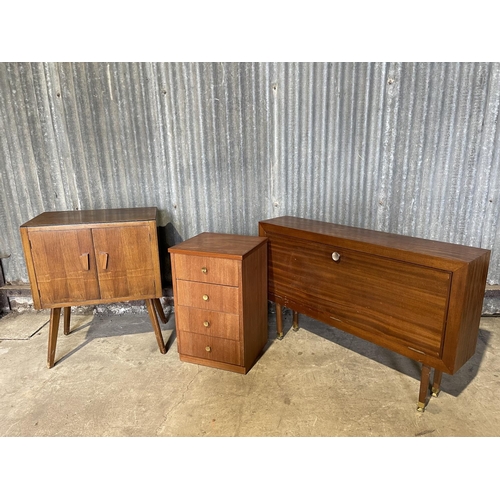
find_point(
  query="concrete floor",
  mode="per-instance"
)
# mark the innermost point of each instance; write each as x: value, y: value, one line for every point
x: 111, y: 380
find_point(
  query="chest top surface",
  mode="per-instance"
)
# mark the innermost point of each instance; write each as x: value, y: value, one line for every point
x: 377, y: 242
x: 103, y: 216
x: 230, y: 246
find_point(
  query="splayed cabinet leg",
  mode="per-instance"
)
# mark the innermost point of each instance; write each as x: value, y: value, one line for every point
x: 67, y: 320
x: 295, y: 324
x: 159, y: 310
x: 156, y: 326
x: 55, y: 314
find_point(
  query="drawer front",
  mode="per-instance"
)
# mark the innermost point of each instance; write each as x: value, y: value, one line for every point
x: 212, y: 348
x: 207, y: 322
x: 208, y: 296
x: 391, y: 299
x: 207, y: 269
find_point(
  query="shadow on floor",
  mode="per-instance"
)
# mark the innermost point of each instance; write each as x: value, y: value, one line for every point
x: 113, y: 325
x: 451, y: 384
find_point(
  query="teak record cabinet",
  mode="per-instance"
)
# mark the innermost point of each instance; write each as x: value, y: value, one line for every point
x: 417, y: 297
x: 220, y: 297
x: 93, y: 257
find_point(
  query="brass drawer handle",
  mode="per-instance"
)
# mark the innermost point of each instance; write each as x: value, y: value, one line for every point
x: 206, y: 324
x: 208, y: 348
x: 205, y: 297
x: 204, y: 270
x: 336, y: 256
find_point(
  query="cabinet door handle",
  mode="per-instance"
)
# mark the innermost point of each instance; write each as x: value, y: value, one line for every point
x: 103, y: 259
x: 84, y: 259
x: 336, y: 256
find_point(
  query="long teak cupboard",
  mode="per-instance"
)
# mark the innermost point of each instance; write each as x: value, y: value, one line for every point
x: 417, y: 297
x: 93, y: 257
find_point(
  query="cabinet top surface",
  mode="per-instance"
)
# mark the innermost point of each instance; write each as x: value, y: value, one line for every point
x: 92, y: 216
x: 231, y: 246
x: 368, y: 240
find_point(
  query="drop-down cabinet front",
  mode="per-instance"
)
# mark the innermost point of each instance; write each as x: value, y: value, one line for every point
x: 417, y: 297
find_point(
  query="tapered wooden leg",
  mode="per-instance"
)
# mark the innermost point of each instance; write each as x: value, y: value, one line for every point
x: 159, y: 310
x: 295, y: 324
x: 156, y: 326
x: 67, y: 319
x: 424, y: 387
x: 279, y: 321
x: 55, y: 314
x: 436, y: 384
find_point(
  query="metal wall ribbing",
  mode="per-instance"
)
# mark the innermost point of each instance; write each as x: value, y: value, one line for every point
x: 411, y: 148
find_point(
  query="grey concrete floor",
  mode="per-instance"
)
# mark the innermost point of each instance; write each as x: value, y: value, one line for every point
x: 111, y: 380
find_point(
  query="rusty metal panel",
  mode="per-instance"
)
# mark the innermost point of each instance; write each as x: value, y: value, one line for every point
x: 411, y: 148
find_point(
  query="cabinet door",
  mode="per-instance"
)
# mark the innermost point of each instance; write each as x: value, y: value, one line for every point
x: 64, y: 266
x: 386, y: 301
x: 125, y: 264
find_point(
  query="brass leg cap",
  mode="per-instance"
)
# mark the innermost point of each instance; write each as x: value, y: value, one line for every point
x: 435, y: 393
x: 421, y: 407
x: 280, y: 336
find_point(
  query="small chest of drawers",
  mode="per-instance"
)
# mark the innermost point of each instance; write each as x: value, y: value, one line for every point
x: 220, y: 297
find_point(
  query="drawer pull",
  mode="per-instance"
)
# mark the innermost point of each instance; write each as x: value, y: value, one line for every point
x: 336, y: 256
x: 204, y: 270
x: 208, y: 348
x: 205, y: 297
x: 206, y: 323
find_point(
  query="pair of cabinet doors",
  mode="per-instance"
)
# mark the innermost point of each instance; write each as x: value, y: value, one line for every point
x: 93, y: 265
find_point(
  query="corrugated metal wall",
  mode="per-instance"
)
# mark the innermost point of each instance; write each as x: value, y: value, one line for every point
x: 411, y: 148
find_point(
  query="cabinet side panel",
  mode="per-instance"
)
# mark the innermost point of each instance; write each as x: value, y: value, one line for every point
x: 254, y: 300
x: 470, y: 311
x: 29, y: 265
x: 155, y: 256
